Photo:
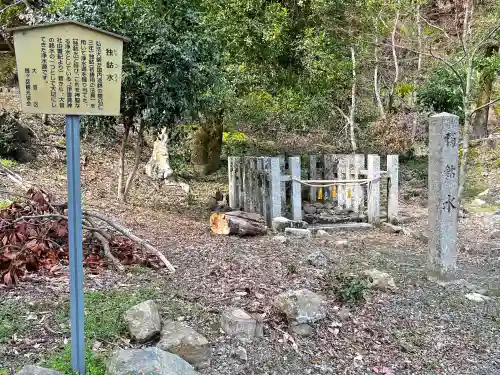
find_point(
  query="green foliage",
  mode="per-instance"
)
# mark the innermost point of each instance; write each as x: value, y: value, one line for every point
x: 108, y: 326
x: 347, y: 287
x: 8, y: 163
x: 4, y: 204
x: 441, y: 93
x: 12, y: 321
x: 101, y: 128
x: 7, y: 67
x: 9, y: 139
x: 235, y: 143
x: 167, y: 65
x: 291, y: 269
x: 61, y: 361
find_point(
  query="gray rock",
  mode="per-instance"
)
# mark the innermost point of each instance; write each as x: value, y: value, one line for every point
x: 35, y: 370
x: 143, y: 321
x: 302, y: 329
x: 280, y: 239
x: 342, y: 244
x: 149, y: 361
x: 391, y: 228
x: 322, y: 234
x: 184, y: 341
x: 302, y: 306
x: 476, y: 297
x: 495, y: 235
x: 343, y: 314
x: 478, y: 202
x: 301, y: 224
x: 317, y: 259
x: 237, y: 323
x: 380, y: 280
x: 241, y: 353
x: 319, y: 205
x: 279, y: 224
x: 298, y: 233
x: 310, y: 209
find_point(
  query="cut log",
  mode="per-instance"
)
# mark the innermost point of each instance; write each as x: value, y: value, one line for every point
x: 238, y: 222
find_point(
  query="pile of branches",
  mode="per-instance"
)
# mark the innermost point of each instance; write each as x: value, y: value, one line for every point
x: 34, y: 238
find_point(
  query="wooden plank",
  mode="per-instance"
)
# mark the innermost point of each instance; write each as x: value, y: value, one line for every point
x: 258, y: 185
x: 244, y: 173
x: 282, y: 184
x: 313, y: 174
x: 349, y: 173
x: 275, y: 188
x: 231, y: 172
x: 251, y: 184
x: 296, y: 199
x: 265, y: 197
x: 393, y: 189
x: 329, y: 173
x: 341, y: 176
x: 359, y: 163
x: 374, y: 189
x: 240, y: 187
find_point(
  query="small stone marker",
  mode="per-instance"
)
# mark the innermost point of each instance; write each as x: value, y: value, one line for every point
x: 443, y: 191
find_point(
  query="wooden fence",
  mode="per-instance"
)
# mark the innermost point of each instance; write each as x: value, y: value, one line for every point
x: 352, y: 182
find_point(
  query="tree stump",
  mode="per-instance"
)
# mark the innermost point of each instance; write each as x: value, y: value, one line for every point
x: 238, y: 222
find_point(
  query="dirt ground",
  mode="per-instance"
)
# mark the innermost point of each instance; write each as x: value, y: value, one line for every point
x: 422, y: 328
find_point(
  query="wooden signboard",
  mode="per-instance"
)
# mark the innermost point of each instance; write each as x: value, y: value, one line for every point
x: 69, y: 68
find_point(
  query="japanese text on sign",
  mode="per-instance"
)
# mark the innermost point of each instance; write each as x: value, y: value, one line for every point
x: 77, y: 71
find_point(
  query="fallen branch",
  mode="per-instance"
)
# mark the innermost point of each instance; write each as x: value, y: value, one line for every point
x: 133, y: 237
x: 103, y: 238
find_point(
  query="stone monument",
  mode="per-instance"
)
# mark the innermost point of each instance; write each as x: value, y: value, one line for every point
x: 443, y: 191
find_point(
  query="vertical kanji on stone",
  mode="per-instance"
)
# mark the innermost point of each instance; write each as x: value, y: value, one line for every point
x: 443, y: 191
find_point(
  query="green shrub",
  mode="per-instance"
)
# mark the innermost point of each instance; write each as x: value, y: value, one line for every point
x: 235, y: 143
x: 61, y: 361
x: 9, y: 134
x: 347, y: 287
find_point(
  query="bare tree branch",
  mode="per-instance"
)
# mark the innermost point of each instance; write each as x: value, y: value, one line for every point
x: 432, y: 25
x: 485, y: 105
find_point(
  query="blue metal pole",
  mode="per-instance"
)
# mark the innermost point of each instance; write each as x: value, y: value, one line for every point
x: 75, y: 244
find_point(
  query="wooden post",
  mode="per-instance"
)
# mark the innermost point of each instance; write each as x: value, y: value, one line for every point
x: 258, y: 184
x: 359, y: 164
x: 251, y: 183
x: 239, y: 176
x: 341, y: 175
x: 313, y: 175
x: 265, y: 182
x: 244, y: 175
x: 374, y: 189
x: 275, y: 188
x: 329, y: 174
x: 296, y: 200
x: 392, y: 199
x: 283, y: 183
x: 233, y: 188
x: 349, y: 166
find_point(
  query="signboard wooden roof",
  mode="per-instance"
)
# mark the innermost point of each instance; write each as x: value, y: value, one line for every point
x: 69, y: 68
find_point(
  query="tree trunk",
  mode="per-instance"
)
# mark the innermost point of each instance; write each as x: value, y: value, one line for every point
x: 392, y: 93
x: 214, y: 145
x: 127, y: 124
x: 380, y: 105
x: 469, y: 9
x: 480, y: 123
x: 352, y: 114
x: 138, y: 150
x: 238, y: 222
x: 417, y: 76
x: 206, y: 144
